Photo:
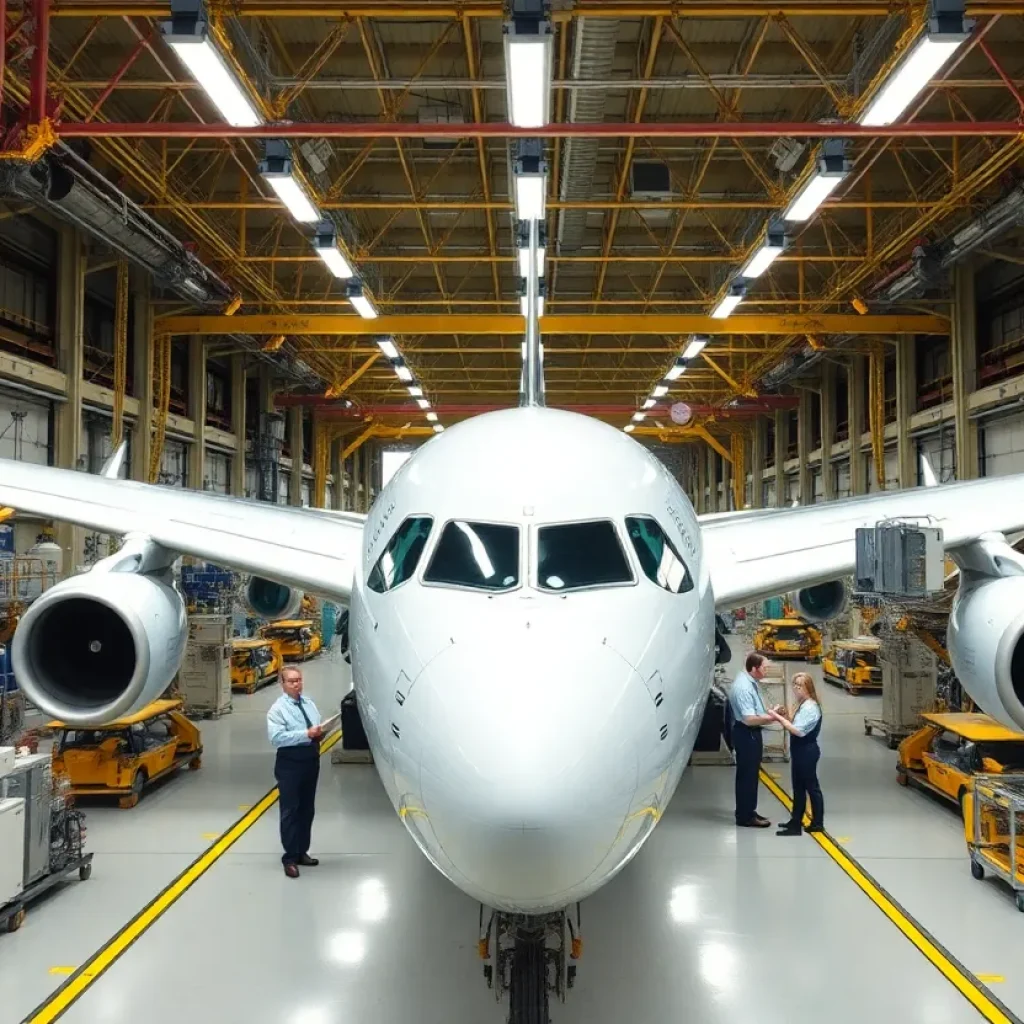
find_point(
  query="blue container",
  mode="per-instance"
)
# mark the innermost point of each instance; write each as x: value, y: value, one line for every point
x: 773, y: 608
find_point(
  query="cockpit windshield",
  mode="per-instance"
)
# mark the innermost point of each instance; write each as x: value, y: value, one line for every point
x: 658, y: 557
x: 480, y: 556
x: 572, y: 556
x: 401, y: 556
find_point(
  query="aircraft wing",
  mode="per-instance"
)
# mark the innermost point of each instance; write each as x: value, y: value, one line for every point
x: 754, y: 557
x: 306, y: 548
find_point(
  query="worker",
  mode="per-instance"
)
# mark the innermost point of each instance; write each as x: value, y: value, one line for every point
x: 803, y: 727
x: 293, y: 726
x: 749, y: 717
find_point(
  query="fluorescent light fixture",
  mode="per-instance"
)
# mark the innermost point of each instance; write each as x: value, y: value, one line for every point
x: 360, y: 302
x: 660, y: 391
x: 947, y: 29
x: 523, y: 244
x: 530, y: 174
x: 422, y: 403
x: 415, y: 390
x: 639, y: 417
x: 522, y: 303
x: 771, y: 246
x: 650, y: 403
x: 325, y: 244
x: 403, y: 373
x: 389, y: 348
x: 277, y: 170
x: 675, y: 371
x: 188, y: 38
x: 528, y: 47
x: 832, y: 168
x: 629, y: 428
x: 431, y: 417
x: 694, y: 349
x: 732, y: 298
x: 438, y: 428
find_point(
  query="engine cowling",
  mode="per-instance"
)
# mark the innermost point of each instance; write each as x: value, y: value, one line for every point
x: 986, y: 646
x: 100, y: 645
x: 266, y: 599
x: 821, y: 602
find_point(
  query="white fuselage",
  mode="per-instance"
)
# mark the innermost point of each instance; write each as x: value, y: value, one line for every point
x: 530, y: 739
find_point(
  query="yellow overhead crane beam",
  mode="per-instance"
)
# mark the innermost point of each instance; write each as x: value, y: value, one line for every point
x: 476, y: 324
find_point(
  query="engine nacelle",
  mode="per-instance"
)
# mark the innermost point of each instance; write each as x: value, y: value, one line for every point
x: 821, y: 602
x: 100, y: 645
x: 266, y: 599
x: 986, y: 646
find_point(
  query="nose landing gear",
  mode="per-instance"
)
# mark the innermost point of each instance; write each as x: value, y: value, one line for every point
x: 528, y: 957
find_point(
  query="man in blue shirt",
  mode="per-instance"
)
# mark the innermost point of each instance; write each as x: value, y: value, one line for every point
x: 293, y: 727
x: 750, y: 715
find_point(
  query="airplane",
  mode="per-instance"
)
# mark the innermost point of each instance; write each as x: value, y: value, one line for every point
x: 532, y: 608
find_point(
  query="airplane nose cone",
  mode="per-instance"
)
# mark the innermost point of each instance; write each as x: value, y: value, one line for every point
x: 532, y: 765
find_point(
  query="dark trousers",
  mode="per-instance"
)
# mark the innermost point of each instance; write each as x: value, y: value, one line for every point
x: 804, y: 765
x: 748, y: 746
x: 297, y: 770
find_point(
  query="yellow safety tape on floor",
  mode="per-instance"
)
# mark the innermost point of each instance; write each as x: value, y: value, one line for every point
x: 108, y: 953
x: 966, y: 983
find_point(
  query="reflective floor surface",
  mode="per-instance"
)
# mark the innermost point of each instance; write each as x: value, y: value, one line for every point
x: 709, y: 923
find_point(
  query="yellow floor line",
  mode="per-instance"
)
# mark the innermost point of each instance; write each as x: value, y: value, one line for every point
x: 108, y: 953
x: 967, y: 984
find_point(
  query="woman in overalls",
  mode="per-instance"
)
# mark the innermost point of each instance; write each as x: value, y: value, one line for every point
x: 803, y: 727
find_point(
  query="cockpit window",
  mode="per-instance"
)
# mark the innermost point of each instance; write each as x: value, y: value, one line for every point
x: 572, y: 556
x: 658, y: 557
x: 481, y: 556
x: 399, y: 559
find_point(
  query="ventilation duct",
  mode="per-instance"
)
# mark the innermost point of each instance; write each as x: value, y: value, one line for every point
x: 790, y: 367
x: 924, y: 273
x: 592, y: 58
x: 73, y: 191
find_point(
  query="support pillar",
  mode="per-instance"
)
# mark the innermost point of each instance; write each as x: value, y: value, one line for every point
x: 710, y: 456
x: 142, y: 345
x: 338, y: 495
x: 828, y: 429
x: 757, y: 464
x: 197, y: 412
x: 781, y: 446
x: 71, y: 359
x: 699, y: 503
x: 855, y: 405
x: 726, y: 500
x: 367, y: 477
x: 964, y: 352
x: 803, y: 448
x: 906, y: 403
x: 238, y: 425
x: 295, y: 446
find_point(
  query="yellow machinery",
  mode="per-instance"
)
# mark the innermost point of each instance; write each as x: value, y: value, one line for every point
x: 293, y: 639
x: 123, y: 757
x: 788, y: 638
x: 994, y: 827
x: 853, y: 664
x: 253, y: 664
x: 946, y: 753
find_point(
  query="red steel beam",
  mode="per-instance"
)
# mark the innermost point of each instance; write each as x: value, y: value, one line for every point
x: 3, y: 45
x: 1007, y: 80
x: 768, y: 403
x: 119, y: 74
x: 40, y: 56
x: 644, y: 129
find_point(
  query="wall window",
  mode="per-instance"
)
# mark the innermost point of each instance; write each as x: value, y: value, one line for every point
x: 658, y: 557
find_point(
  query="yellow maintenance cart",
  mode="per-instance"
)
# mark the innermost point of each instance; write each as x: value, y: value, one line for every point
x: 254, y: 663
x: 293, y: 639
x: 122, y: 757
x: 788, y: 638
x: 994, y: 827
x: 950, y: 749
x: 853, y: 664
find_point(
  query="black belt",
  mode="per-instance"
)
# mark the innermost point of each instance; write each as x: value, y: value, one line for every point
x: 299, y: 754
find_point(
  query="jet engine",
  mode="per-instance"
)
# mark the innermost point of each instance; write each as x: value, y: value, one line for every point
x: 986, y: 646
x: 821, y: 602
x: 100, y: 645
x: 266, y: 599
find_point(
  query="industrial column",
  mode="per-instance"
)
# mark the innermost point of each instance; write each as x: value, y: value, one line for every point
x: 295, y: 445
x: 803, y: 448
x: 238, y: 425
x: 142, y: 347
x: 906, y: 403
x: 828, y: 429
x: 712, y: 459
x: 855, y: 405
x: 725, y: 501
x: 781, y: 446
x: 757, y: 464
x: 71, y: 359
x: 367, y: 454
x: 197, y: 412
x: 964, y: 350
x: 338, y: 472
x: 702, y: 480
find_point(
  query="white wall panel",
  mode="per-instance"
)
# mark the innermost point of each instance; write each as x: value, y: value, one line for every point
x: 1002, y: 445
x: 792, y: 488
x: 24, y: 429
x: 940, y: 450
x: 218, y: 472
x: 284, y: 483
x: 841, y: 479
x: 817, y: 486
x: 768, y: 493
x: 174, y: 464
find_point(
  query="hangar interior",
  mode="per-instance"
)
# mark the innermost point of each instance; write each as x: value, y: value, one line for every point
x: 269, y: 250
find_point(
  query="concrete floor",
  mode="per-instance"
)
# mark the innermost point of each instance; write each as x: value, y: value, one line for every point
x: 709, y: 923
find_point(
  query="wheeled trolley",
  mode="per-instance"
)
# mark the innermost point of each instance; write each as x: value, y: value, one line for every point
x: 12, y: 915
x: 994, y: 826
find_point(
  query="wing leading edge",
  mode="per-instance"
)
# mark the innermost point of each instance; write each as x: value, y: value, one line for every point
x: 299, y: 547
x: 751, y: 558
